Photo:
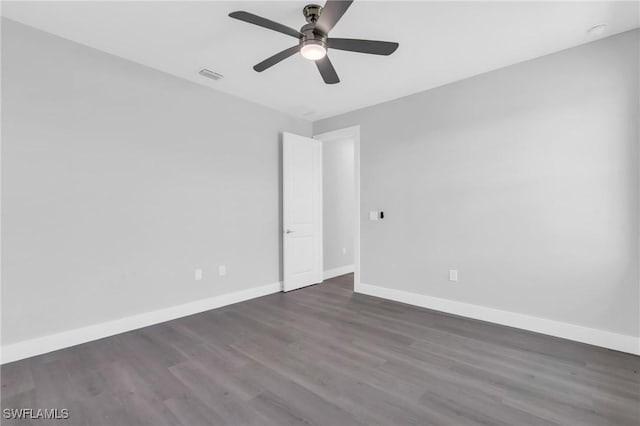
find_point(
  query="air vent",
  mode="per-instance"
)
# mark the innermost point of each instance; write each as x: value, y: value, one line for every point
x: 210, y: 74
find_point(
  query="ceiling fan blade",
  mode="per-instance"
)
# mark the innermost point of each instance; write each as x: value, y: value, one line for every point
x: 327, y: 71
x: 281, y: 56
x: 363, y: 46
x: 265, y: 23
x: 331, y: 14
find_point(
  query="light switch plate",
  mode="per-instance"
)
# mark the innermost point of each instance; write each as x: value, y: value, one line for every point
x: 374, y: 215
x: 198, y: 274
x: 453, y: 275
x: 222, y: 270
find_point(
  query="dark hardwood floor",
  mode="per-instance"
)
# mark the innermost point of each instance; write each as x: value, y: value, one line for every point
x: 325, y: 356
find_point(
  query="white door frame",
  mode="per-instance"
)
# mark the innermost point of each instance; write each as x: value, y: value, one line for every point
x: 351, y: 133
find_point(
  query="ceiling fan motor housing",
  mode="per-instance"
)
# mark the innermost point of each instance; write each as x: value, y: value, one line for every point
x: 310, y: 35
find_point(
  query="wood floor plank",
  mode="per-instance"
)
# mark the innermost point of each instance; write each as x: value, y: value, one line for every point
x: 323, y: 355
x: 16, y: 378
x: 291, y: 402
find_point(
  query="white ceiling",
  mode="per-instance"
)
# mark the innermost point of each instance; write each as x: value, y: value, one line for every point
x: 440, y: 42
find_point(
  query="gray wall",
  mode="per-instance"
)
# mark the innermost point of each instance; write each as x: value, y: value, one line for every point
x: 524, y: 179
x: 338, y: 202
x: 118, y: 181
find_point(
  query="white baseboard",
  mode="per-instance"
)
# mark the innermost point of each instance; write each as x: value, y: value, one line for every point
x: 592, y: 336
x: 336, y: 272
x: 52, y: 342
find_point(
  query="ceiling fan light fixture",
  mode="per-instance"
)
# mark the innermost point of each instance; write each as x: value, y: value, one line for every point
x: 313, y: 50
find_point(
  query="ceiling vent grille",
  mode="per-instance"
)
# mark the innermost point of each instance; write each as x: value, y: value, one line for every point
x: 210, y: 74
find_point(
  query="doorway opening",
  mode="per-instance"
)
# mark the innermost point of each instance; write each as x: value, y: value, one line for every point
x: 341, y: 206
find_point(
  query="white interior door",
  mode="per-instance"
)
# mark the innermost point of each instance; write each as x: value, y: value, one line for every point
x: 302, y: 211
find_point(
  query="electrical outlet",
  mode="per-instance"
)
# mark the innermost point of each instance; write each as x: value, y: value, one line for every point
x: 198, y: 274
x: 453, y: 275
x: 222, y: 270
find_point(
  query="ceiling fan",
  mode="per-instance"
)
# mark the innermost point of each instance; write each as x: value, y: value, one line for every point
x: 313, y: 38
